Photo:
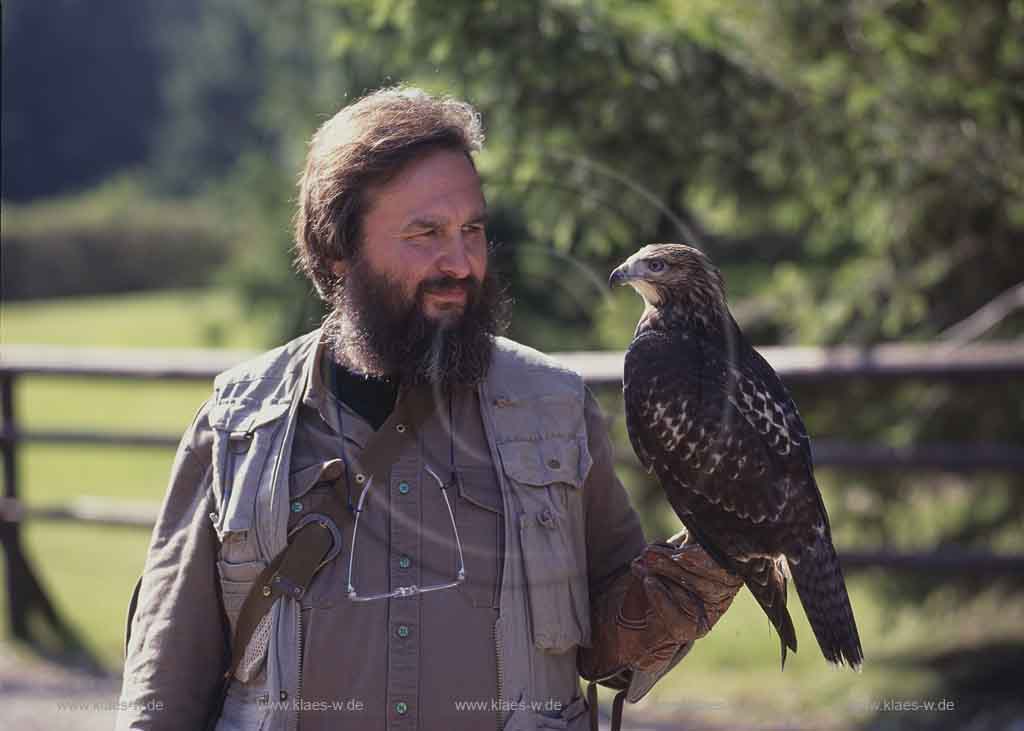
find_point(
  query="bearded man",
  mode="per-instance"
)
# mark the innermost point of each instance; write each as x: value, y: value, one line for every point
x: 402, y: 520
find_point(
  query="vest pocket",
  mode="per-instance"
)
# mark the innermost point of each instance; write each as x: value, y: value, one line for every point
x: 553, y: 586
x: 547, y: 474
x: 242, y: 443
x: 570, y: 717
x: 245, y: 708
x: 238, y: 569
x: 236, y: 579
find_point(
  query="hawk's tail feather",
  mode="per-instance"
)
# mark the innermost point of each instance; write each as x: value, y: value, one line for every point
x: 767, y: 582
x: 822, y: 591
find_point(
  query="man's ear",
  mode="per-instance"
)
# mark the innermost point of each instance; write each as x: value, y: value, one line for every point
x: 340, y: 268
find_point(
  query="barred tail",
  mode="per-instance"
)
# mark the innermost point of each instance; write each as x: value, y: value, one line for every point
x: 822, y: 591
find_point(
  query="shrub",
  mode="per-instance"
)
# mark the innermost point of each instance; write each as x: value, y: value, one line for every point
x: 114, y: 238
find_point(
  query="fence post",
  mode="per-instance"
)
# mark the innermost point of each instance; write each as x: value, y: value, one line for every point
x: 24, y: 591
x: 9, y: 529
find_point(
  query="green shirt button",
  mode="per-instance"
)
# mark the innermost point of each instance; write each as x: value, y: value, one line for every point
x: 404, y: 562
x: 296, y: 507
x: 403, y: 487
x: 403, y: 631
x: 401, y: 708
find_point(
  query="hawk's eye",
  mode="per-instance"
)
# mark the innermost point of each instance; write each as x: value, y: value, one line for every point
x: 656, y: 265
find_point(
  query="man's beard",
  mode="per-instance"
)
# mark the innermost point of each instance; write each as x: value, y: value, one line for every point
x: 374, y: 328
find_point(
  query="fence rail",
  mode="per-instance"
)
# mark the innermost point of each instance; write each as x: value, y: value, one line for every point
x: 796, y: 365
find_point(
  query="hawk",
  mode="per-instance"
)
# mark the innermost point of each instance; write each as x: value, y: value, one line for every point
x: 709, y: 416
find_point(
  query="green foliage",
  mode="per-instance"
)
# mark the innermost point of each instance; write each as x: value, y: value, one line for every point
x: 114, y: 238
x: 879, y: 142
x: 908, y: 149
x: 865, y: 166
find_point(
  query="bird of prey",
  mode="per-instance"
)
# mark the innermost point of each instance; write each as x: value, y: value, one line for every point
x: 709, y: 416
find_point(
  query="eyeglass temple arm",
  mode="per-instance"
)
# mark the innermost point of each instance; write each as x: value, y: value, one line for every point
x: 355, y: 529
x: 461, y: 574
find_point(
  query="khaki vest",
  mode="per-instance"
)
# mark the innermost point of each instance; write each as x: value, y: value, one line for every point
x: 533, y: 416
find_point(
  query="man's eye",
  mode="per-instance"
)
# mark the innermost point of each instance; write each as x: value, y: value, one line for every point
x: 656, y: 265
x: 426, y: 233
x: 473, y: 228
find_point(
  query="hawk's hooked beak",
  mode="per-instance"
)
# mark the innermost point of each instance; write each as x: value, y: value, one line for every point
x: 620, y: 275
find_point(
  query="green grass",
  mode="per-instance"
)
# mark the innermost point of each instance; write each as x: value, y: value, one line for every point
x: 182, y: 319
x: 129, y: 406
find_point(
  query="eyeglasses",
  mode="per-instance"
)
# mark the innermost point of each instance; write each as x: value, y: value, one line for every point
x: 412, y: 589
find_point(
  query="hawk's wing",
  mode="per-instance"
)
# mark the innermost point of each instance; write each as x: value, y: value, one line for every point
x: 726, y: 448
x: 732, y: 454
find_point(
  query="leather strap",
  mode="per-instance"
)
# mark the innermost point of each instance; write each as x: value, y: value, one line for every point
x: 287, y: 575
x: 620, y: 698
x: 292, y: 570
x: 617, y: 705
x: 592, y: 703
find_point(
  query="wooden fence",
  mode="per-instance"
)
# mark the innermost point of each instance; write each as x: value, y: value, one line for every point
x: 796, y: 365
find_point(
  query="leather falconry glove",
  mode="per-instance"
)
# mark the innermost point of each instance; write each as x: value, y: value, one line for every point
x: 647, y: 619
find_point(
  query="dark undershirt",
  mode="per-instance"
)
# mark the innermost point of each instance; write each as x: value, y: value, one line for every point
x: 372, y: 398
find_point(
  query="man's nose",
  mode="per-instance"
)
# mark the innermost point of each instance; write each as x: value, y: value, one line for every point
x: 454, y: 260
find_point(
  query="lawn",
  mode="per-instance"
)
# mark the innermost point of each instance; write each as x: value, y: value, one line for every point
x: 731, y: 679
x: 199, y: 319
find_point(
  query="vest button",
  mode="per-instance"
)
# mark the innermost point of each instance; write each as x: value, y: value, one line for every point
x: 401, y: 708
x: 403, y: 631
x: 546, y: 518
x: 297, y: 506
x: 404, y: 562
x: 400, y: 428
x: 403, y: 487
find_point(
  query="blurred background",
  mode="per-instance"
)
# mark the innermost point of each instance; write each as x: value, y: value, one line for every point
x: 855, y: 167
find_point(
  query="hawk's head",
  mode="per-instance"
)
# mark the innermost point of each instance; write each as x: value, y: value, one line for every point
x: 674, y: 280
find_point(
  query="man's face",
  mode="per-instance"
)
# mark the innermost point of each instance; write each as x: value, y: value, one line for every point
x: 417, y: 300
x: 424, y: 230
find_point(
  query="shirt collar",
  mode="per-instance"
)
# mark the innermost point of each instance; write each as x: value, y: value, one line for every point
x: 320, y: 396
